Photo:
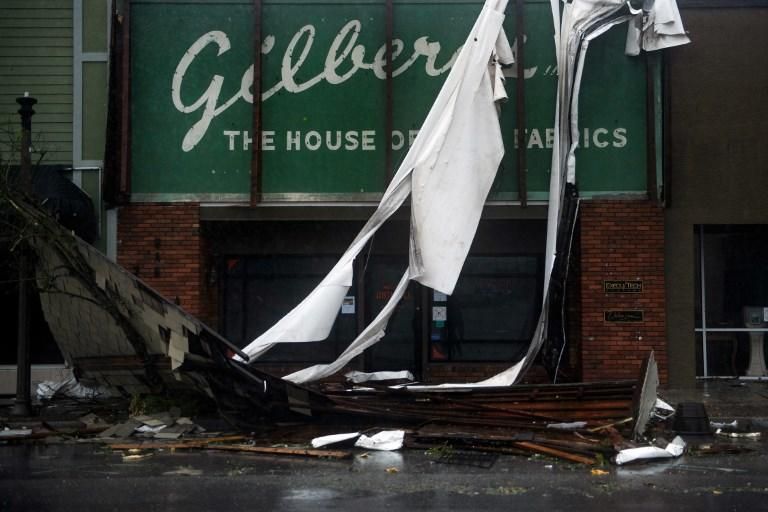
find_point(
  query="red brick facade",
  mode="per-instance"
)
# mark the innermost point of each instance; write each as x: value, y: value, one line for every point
x: 161, y: 244
x: 621, y: 240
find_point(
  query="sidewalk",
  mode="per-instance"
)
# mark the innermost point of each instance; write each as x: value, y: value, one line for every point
x: 725, y: 399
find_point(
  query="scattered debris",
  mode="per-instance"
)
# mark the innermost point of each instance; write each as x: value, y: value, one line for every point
x: 574, y: 425
x: 15, y: 433
x: 744, y: 435
x: 319, y: 442
x: 722, y: 425
x: 184, y: 471
x: 69, y: 387
x: 187, y: 443
x: 673, y: 449
x: 136, y: 457
x: 356, y: 377
x: 662, y: 410
x: 121, y: 430
x: 385, y: 440
x: 328, y: 454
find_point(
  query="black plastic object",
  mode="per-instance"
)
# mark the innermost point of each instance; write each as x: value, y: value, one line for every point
x: 691, y: 419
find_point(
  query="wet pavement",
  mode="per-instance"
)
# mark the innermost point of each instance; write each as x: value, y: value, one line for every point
x: 82, y: 477
x: 726, y: 398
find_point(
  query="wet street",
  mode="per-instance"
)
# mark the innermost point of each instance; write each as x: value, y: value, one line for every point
x: 83, y: 477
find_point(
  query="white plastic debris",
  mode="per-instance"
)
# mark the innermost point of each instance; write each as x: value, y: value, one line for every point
x: 358, y: 377
x: 12, y: 433
x: 662, y: 409
x: 573, y: 425
x: 672, y: 450
x: 719, y: 425
x: 146, y: 428
x: 386, y: 440
x: 333, y: 439
x: 745, y: 435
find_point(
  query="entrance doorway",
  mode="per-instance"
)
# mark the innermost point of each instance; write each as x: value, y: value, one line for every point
x: 731, y: 300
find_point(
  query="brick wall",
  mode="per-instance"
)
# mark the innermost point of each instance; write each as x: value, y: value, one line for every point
x: 621, y: 240
x: 161, y: 244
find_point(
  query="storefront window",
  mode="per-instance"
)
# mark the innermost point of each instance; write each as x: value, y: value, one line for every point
x: 731, y: 299
x: 260, y: 290
x: 492, y: 313
x: 401, y: 347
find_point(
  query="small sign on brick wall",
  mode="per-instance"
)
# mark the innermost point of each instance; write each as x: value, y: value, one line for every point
x: 624, y: 315
x: 623, y: 286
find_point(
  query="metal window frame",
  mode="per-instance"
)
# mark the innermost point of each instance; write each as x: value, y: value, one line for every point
x: 79, y: 59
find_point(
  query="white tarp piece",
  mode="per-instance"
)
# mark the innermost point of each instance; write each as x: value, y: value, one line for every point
x: 673, y: 449
x: 656, y: 26
x: 360, y: 377
x: 321, y: 441
x: 386, y: 440
x: 448, y: 170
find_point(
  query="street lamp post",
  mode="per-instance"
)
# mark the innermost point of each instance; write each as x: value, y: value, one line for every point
x: 22, y: 404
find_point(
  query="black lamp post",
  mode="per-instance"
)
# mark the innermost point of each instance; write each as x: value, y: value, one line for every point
x: 22, y: 404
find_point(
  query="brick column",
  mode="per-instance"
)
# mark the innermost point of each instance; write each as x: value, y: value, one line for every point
x: 161, y: 244
x: 621, y: 240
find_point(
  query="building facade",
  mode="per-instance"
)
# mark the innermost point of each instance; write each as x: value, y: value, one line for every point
x: 57, y: 52
x: 671, y: 235
x: 239, y: 231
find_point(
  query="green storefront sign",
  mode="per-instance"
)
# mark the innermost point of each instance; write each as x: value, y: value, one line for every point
x: 324, y: 98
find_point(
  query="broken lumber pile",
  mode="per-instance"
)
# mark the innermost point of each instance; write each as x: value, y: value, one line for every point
x: 575, y: 422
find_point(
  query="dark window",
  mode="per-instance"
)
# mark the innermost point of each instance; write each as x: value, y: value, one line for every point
x: 401, y: 347
x: 731, y: 299
x: 260, y: 290
x: 492, y: 313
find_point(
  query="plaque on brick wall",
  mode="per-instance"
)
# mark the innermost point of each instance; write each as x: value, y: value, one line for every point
x: 624, y: 315
x: 623, y: 286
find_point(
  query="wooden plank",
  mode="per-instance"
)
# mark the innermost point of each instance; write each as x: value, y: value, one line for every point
x: 268, y: 450
x: 187, y: 443
x: 572, y: 457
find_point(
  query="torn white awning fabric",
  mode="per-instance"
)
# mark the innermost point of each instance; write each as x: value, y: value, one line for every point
x: 449, y: 170
x: 451, y: 165
x: 581, y: 22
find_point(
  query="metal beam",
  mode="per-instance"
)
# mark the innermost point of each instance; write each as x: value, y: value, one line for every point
x: 256, y: 153
x: 522, y: 181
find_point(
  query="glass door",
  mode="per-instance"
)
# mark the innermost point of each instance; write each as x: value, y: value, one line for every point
x: 731, y: 300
